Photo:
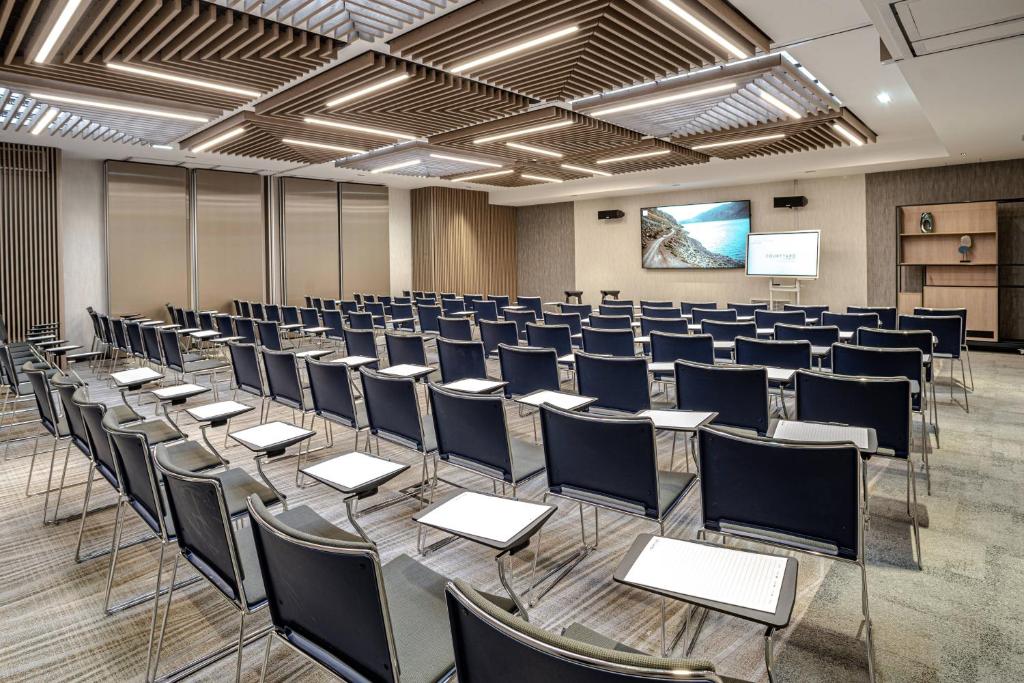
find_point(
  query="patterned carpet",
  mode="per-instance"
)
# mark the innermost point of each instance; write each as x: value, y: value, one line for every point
x: 959, y: 619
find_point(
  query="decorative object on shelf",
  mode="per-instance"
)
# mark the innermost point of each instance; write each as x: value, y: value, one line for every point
x: 965, y: 248
x: 927, y: 222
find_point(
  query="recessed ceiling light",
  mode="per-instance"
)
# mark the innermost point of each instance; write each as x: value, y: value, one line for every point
x: 581, y: 169
x: 162, y: 146
x: 464, y: 160
x: 883, y: 97
x: 164, y: 76
x: 541, y: 178
x: 741, y: 141
x: 535, y: 150
x: 689, y: 94
x: 358, y: 129
x: 704, y: 28
x: 848, y: 135
x: 119, y: 107
x: 58, y: 28
x: 322, y: 145
x: 640, y: 155
x: 223, y: 137
x: 518, y: 47
x: 523, y: 131
x: 482, y: 175
x: 366, y: 91
x: 395, y: 167
x: 44, y: 120
x: 780, y: 105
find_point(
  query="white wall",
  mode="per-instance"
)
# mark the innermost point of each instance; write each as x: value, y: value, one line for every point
x: 400, y: 239
x: 608, y: 252
x: 82, y: 246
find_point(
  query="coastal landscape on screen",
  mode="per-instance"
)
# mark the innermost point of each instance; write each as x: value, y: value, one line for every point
x: 695, y: 235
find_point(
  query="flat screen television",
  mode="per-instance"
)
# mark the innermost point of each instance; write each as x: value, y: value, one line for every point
x: 784, y: 254
x: 695, y: 235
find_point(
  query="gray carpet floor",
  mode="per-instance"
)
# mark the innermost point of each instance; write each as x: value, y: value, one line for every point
x: 958, y: 619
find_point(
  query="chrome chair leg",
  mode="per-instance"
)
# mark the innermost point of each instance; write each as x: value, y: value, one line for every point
x: 912, y: 500
x: 868, y: 640
x: 266, y: 658
x: 966, y: 352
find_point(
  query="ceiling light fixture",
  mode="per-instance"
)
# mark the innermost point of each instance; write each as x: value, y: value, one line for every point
x: 704, y: 28
x: 119, y: 107
x: 581, y: 169
x: 780, y: 105
x: 535, y: 150
x: 358, y: 129
x: 322, y: 145
x: 883, y: 97
x: 481, y: 175
x: 689, y: 94
x: 395, y: 167
x: 206, y: 85
x: 628, y: 157
x: 45, y: 120
x: 366, y: 91
x: 162, y: 146
x: 213, y: 142
x: 464, y: 160
x: 518, y: 47
x: 848, y: 135
x: 743, y: 141
x: 58, y: 28
x: 541, y: 178
x: 522, y: 131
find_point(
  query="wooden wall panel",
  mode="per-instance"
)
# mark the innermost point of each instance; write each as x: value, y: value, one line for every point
x: 461, y: 243
x: 365, y: 259
x: 311, y: 238
x: 545, y: 253
x: 30, y: 259
x: 147, y: 238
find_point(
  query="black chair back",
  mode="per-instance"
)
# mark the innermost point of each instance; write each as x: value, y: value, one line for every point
x: 947, y: 329
x: 645, y: 303
x: 472, y: 427
x: 886, y: 314
x: 309, y: 317
x: 670, y: 325
x: 191, y: 319
x: 403, y: 319
x: 738, y: 393
x: 661, y: 312
x: 461, y: 360
x: 283, y: 383
x: 172, y: 350
x: 849, y: 322
x: 863, y: 361
x: 273, y: 312
x: 810, y: 310
x: 793, y: 355
x: 99, y: 444
x: 747, y: 310
x: 582, y: 310
x: 769, y: 319
x: 546, y: 336
x: 330, y: 305
x: 528, y: 369
x: 616, y: 383
x: 206, y: 321
x: 139, y: 482
x: 376, y: 311
x: 667, y: 347
x: 573, y: 320
x: 270, y: 334
x: 452, y: 306
x: 485, y: 310
x: 290, y: 315
x: 942, y: 312
x: 135, y: 343
x: 455, y: 328
x: 727, y: 315
x: 609, y: 342
x: 728, y: 331
x: 494, y: 333
x: 66, y: 389
x: 361, y: 343
x: 500, y: 300
x: 245, y: 309
x: 532, y: 303
x: 246, y: 329
x: 611, y: 322
x: 330, y: 387
x: 687, y: 307
x: 392, y: 408
x: 403, y: 348
x: 245, y: 366
x: 120, y: 337
x: 360, y: 320
x: 616, y: 309
x: 224, y: 325
x: 333, y: 320
x: 151, y: 340
x: 521, y: 319
x: 428, y: 316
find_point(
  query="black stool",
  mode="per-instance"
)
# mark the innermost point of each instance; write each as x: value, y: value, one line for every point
x: 609, y: 294
x: 574, y: 294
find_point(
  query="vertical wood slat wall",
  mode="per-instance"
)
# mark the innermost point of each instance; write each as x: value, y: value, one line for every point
x: 460, y: 243
x: 29, y: 236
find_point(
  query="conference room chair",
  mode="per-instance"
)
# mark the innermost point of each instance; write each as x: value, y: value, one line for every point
x: 176, y: 360
x: 485, y: 309
x: 405, y: 348
x: 309, y: 317
x: 609, y: 342
x: 333, y: 396
x: 404, y: 299
x: 192, y: 319
x: 270, y: 334
x: 455, y: 328
x: 962, y: 312
x: 882, y: 404
x: 532, y: 303
x: 528, y: 369
x: 582, y: 310
x: 97, y: 332
x: 616, y: 308
x: 247, y: 374
x: 661, y: 312
x: 205, y: 321
x: 667, y: 347
x: 50, y: 419
x: 257, y: 311
x: 137, y: 348
x: 428, y: 316
x: 849, y: 323
x: 812, y: 311
x: 610, y: 322
x: 224, y: 324
x: 316, y: 303
x: 488, y: 643
x: 348, y: 306
x: 522, y: 319
x: 452, y: 306
x: 273, y: 312
x: 461, y: 360
x: 18, y: 391
x: 791, y: 355
x: 668, y: 325
x: 422, y: 301
x: 284, y: 387
x: 500, y: 300
x: 120, y: 345
x: 471, y: 298
x: 395, y: 625
x: 77, y: 438
x: 572, y: 320
x: 246, y: 329
x: 886, y: 314
x: 246, y: 309
x: 472, y: 433
x: 922, y: 340
x: 557, y: 337
x: 727, y: 332
x: 364, y: 299
x: 687, y: 306
x: 377, y: 314
x: 948, y: 333
x: 151, y: 342
x: 647, y: 303
x: 747, y: 310
x: 402, y: 317
x: 800, y: 497
x: 360, y: 320
x: 330, y: 305
x: 738, y: 393
x: 821, y: 337
x: 619, y: 384
x: 386, y: 300
x: 309, y: 300
x: 361, y: 343
x: 494, y: 333
x: 699, y: 315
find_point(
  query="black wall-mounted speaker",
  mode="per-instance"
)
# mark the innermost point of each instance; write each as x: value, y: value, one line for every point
x: 610, y: 213
x: 790, y: 202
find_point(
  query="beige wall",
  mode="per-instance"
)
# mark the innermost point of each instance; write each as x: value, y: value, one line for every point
x: 84, y: 258
x: 364, y: 239
x: 608, y: 252
x: 400, y: 239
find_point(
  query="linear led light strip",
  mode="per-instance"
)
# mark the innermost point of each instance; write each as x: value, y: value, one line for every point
x: 540, y: 178
x: 358, y: 129
x: 535, y: 150
x: 164, y: 76
x: 119, y: 107
x: 780, y: 105
x: 464, y: 160
x: 848, y: 135
x: 322, y: 145
x: 45, y: 120
x: 224, y: 137
x: 522, y: 131
x: 366, y: 91
x: 481, y: 175
x: 629, y: 157
x: 395, y: 167
x: 759, y: 138
x: 704, y: 28
x: 58, y: 28
x: 689, y: 94
x: 515, y: 49
x: 582, y: 169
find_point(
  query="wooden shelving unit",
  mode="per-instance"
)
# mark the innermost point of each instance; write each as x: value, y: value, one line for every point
x: 931, y: 273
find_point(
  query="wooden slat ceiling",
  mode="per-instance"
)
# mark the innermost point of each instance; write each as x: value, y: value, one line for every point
x: 742, y: 105
x: 343, y: 19
x: 19, y: 111
x: 435, y: 161
x: 804, y: 135
x: 618, y: 43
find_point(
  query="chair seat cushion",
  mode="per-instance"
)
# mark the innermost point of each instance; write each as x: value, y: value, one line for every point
x: 672, y: 486
x: 156, y: 431
x: 124, y: 414
x: 239, y: 485
x: 527, y: 459
x: 189, y: 456
x: 205, y: 364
